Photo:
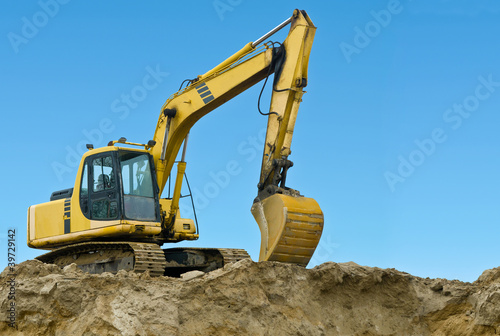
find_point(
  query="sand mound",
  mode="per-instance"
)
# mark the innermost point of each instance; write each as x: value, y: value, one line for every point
x: 248, y: 298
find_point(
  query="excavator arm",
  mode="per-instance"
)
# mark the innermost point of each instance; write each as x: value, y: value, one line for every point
x: 290, y: 224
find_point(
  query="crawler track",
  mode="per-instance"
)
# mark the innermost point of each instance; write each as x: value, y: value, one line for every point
x: 141, y: 257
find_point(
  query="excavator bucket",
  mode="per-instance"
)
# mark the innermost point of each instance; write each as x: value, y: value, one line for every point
x: 290, y: 228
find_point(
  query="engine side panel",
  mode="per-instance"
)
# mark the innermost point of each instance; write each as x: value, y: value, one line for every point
x: 46, y: 220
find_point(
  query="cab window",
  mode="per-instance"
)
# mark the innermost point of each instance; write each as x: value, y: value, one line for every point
x: 104, y: 196
x: 103, y: 174
x: 84, y: 191
x: 138, y: 189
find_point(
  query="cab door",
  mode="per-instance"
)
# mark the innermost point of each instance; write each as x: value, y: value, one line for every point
x: 103, y: 187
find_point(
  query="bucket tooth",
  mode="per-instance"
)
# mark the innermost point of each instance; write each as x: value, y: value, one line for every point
x: 290, y: 228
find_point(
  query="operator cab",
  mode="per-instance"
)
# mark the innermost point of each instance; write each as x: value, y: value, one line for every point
x: 119, y: 184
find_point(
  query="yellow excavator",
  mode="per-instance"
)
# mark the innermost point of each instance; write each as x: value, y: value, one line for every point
x: 114, y: 218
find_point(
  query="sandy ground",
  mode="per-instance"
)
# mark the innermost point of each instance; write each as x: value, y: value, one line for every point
x: 247, y: 298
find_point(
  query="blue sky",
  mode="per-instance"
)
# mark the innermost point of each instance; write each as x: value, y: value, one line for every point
x: 397, y: 136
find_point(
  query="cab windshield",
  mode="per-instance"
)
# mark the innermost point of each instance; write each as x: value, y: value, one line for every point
x: 138, y: 191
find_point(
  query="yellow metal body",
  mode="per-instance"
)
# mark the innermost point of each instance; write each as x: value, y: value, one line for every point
x: 290, y: 224
x: 181, y: 228
x: 46, y: 221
